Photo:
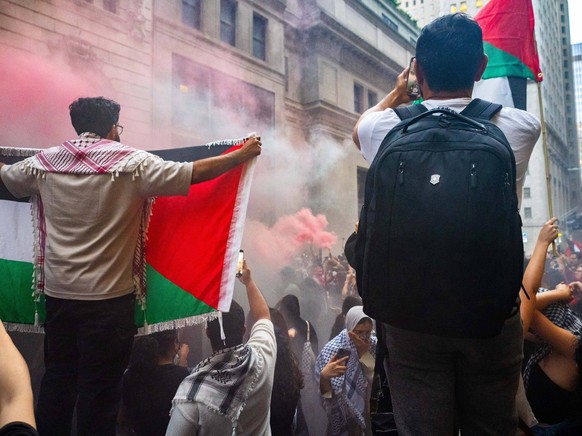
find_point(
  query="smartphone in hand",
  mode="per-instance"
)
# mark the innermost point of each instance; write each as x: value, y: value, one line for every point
x: 412, y: 88
x: 342, y: 352
x: 239, y: 263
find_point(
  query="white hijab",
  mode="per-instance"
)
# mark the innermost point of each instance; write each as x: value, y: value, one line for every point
x: 354, y: 316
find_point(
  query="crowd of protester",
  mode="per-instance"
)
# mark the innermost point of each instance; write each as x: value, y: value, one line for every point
x: 333, y: 388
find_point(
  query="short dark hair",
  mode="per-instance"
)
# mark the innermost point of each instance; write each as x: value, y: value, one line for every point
x: 94, y: 114
x: 233, y: 323
x: 449, y: 51
x: 166, y: 341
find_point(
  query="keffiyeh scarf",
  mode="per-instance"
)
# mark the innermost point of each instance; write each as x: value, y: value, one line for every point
x: 89, y: 154
x: 349, y: 390
x: 223, y: 382
x: 561, y: 315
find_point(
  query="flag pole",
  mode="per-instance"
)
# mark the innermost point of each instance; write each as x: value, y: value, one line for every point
x: 546, y: 161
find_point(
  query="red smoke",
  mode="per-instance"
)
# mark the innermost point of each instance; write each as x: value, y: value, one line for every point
x: 278, y: 245
x: 36, y: 93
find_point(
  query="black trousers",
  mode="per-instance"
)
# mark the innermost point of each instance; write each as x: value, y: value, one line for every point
x: 86, y: 350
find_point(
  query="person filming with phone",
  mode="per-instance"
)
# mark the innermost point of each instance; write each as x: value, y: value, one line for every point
x: 230, y: 391
x: 345, y: 368
x: 447, y: 367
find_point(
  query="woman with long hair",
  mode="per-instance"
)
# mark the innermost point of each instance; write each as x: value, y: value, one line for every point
x: 288, y: 381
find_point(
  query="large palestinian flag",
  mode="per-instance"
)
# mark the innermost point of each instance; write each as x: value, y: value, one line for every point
x: 508, y: 41
x: 192, y: 248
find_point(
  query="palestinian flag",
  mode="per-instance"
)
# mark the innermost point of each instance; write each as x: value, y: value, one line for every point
x: 192, y: 248
x: 508, y: 41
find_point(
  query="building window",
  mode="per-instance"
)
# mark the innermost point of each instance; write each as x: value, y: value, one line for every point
x: 526, y: 192
x: 358, y: 97
x: 199, y: 90
x: 259, y: 37
x: 527, y: 212
x: 390, y: 23
x: 192, y: 13
x: 111, y: 5
x: 372, y: 99
x: 228, y: 21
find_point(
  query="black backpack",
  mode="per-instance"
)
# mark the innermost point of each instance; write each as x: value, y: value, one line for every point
x: 439, y: 247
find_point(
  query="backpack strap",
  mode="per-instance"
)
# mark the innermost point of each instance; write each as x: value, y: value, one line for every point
x: 410, y: 111
x: 481, y: 109
x: 308, y: 339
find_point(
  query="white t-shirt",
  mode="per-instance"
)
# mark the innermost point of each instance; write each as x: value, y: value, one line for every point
x: 92, y: 223
x: 521, y: 128
x: 190, y: 418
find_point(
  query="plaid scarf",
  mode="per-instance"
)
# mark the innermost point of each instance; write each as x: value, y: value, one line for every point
x: 561, y: 315
x: 349, y: 390
x: 223, y: 382
x: 89, y: 154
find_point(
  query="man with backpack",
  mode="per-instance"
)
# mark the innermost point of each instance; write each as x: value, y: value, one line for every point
x: 439, y: 252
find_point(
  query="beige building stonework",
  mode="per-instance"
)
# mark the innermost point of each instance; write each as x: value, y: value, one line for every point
x: 191, y: 71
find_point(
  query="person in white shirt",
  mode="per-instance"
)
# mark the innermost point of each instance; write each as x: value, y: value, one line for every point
x: 230, y: 392
x: 441, y: 383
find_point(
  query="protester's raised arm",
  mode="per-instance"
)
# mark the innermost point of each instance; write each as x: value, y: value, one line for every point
x: 257, y: 303
x: 534, y: 272
x: 395, y: 98
x: 206, y: 169
x: 562, y: 293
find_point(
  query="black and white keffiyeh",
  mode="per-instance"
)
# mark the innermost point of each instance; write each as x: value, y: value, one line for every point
x: 223, y: 382
x: 561, y: 315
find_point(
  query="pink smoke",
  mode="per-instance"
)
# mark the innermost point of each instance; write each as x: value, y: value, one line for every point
x: 276, y: 246
x: 36, y: 93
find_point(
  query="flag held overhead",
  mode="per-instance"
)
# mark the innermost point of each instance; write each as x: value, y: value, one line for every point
x: 508, y: 39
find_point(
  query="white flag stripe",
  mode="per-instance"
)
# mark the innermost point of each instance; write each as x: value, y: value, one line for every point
x: 495, y: 90
x: 16, y: 239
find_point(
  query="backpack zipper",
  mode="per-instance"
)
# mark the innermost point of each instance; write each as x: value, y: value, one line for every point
x: 401, y: 172
x: 473, y: 175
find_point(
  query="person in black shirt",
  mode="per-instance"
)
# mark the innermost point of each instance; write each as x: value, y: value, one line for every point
x: 150, y: 382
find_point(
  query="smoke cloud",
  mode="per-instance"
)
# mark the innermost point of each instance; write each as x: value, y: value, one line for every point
x: 36, y: 93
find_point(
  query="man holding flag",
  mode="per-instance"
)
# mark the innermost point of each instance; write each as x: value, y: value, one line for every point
x: 441, y: 382
x: 92, y: 199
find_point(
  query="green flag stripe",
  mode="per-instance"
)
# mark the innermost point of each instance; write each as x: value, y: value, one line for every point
x: 16, y: 293
x: 502, y: 64
x: 167, y: 302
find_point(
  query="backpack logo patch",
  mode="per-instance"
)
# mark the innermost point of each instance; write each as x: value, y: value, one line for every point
x: 435, y: 178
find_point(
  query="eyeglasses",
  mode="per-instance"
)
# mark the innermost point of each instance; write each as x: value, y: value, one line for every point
x: 119, y: 128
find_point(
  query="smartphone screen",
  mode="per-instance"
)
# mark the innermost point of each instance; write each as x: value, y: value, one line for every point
x: 342, y: 352
x: 411, y: 84
x: 239, y: 263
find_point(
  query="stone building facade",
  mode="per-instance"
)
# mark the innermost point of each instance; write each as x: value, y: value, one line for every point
x: 191, y: 71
